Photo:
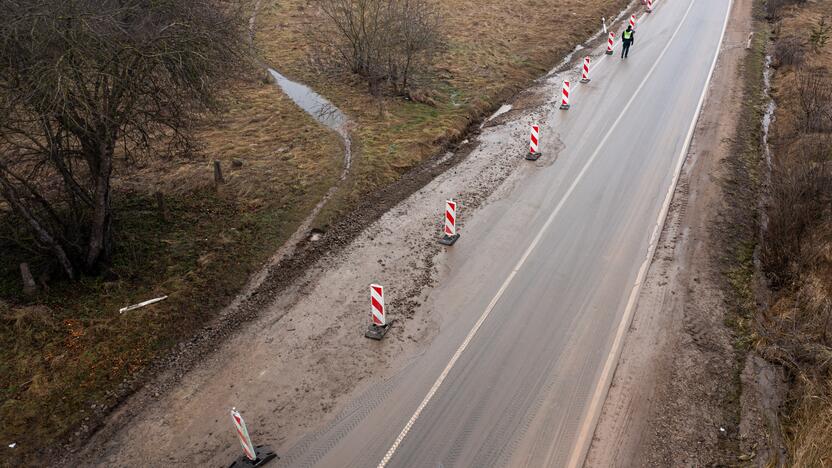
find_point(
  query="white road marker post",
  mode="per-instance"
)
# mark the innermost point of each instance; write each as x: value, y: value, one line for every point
x: 141, y: 304
x: 252, y: 456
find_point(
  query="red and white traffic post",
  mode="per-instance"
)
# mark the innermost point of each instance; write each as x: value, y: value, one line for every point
x: 610, y: 43
x: 633, y: 21
x: 378, y: 314
x: 585, y: 72
x: 252, y: 456
x: 534, y: 144
x: 649, y: 6
x: 449, y: 234
x: 564, y: 101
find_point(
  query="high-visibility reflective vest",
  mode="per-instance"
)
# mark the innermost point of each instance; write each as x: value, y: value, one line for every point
x: 627, y: 35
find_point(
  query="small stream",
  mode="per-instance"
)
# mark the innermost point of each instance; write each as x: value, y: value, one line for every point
x: 320, y: 109
x: 327, y: 115
x: 768, y: 119
x: 331, y: 117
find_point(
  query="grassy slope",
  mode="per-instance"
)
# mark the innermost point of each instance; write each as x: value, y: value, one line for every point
x: 495, y: 48
x: 68, y: 348
x: 796, y: 309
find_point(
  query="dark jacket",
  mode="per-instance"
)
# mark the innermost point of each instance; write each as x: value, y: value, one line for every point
x: 632, y: 38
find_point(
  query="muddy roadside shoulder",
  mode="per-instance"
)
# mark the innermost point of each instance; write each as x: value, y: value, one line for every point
x: 687, y: 391
x: 163, y: 374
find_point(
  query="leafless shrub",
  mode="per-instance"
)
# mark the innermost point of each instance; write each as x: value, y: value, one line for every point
x: 820, y: 34
x: 789, y: 51
x: 799, y: 200
x: 815, y: 95
x: 774, y: 8
x: 83, y: 82
x: 383, y: 41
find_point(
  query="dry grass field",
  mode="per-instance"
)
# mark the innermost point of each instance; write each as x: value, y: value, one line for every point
x: 796, y: 330
x: 65, y: 352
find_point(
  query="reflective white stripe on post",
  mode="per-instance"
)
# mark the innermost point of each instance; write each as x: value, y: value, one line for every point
x: 242, y: 433
x: 450, y: 218
x: 534, y: 139
x: 377, y: 305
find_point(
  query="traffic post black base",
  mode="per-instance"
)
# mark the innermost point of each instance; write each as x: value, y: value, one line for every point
x: 609, y: 52
x: 376, y: 332
x: 263, y: 453
x: 564, y: 106
x: 586, y: 80
x: 449, y: 240
x: 533, y: 156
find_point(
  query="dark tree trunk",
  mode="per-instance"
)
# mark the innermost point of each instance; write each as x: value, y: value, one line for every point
x: 41, y: 233
x: 99, y: 246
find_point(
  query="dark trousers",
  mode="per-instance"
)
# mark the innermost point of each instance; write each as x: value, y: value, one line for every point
x: 625, y: 49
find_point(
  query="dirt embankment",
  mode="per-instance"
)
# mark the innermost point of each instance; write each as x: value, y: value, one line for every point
x: 689, y: 390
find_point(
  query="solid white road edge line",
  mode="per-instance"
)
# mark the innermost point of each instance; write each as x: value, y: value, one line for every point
x: 593, y: 412
x: 526, y: 254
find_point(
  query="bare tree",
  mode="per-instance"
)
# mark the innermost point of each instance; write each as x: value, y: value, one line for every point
x: 417, y: 37
x: 815, y: 98
x: 383, y: 41
x: 84, y: 82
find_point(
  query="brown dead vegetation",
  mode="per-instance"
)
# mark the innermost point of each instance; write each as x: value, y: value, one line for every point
x: 796, y: 251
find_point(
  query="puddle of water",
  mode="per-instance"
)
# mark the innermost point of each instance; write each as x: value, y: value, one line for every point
x: 321, y: 110
x: 313, y: 103
x: 502, y: 110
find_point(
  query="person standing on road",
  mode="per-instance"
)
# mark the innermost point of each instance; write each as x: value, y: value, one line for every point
x: 627, y: 39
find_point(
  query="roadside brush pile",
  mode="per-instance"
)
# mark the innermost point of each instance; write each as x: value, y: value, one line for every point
x: 796, y: 251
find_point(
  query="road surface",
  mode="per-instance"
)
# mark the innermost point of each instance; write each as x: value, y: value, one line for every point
x: 541, y: 285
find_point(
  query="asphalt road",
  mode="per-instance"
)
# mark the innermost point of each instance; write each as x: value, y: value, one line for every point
x: 541, y: 285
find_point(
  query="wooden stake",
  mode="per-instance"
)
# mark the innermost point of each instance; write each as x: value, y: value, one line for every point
x: 29, y: 285
x: 218, y: 179
x: 160, y: 206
